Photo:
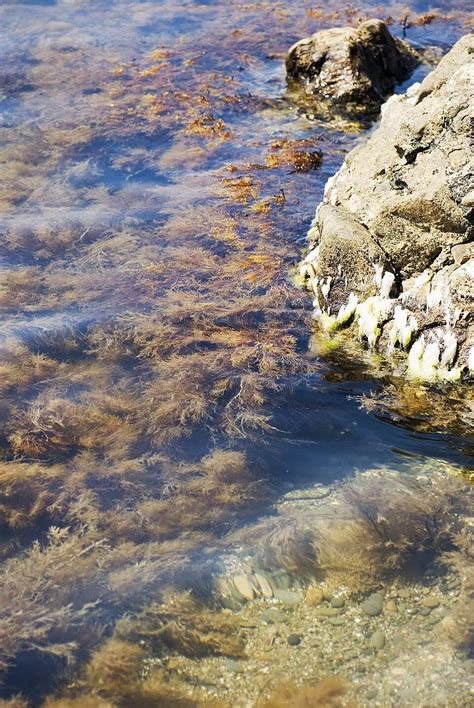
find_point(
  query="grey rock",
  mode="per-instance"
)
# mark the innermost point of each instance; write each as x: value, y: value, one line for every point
x: 273, y: 616
x: 326, y: 611
x: 232, y: 665
x: 373, y: 605
x: 349, y: 65
x: 264, y: 584
x: 392, y: 244
x: 288, y: 597
x: 377, y: 640
x: 244, y: 586
x: 337, y: 601
x: 430, y: 602
x: 294, y: 639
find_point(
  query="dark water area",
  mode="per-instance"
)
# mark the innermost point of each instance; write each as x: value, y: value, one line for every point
x: 162, y: 383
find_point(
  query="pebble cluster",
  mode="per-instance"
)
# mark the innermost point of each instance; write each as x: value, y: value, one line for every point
x: 389, y: 646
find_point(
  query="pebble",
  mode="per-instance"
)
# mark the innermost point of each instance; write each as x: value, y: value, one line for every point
x: 430, y: 602
x: 337, y: 601
x: 232, y: 665
x: 264, y: 584
x: 372, y: 693
x: 230, y: 603
x: 425, y: 611
x: 373, y: 605
x: 391, y: 606
x: 405, y: 593
x: 273, y: 616
x: 327, y: 595
x: 287, y: 597
x: 244, y: 586
x: 294, y: 639
x: 314, y: 596
x: 377, y: 640
x: 336, y: 621
x: 326, y: 612
x: 279, y: 581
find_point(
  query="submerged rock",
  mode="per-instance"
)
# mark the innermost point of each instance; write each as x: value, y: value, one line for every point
x: 351, y: 65
x: 391, y: 245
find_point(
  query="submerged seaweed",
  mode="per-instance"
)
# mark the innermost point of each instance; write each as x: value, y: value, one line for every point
x: 153, y: 351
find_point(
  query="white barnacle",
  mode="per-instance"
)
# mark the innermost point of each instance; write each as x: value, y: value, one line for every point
x: 434, y: 297
x: 328, y: 322
x: 400, y: 318
x: 314, y: 282
x: 423, y: 361
x: 347, y: 311
x: 370, y: 314
x: 414, y: 357
x: 386, y: 284
x: 450, y: 345
x: 420, y: 281
x: 326, y: 287
x: 312, y: 256
x: 378, y: 275
x: 408, y: 332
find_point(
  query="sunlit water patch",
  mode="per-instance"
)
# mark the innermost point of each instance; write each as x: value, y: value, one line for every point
x: 163, y: 397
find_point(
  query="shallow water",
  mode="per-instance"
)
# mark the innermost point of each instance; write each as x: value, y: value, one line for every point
x: 160, y: 384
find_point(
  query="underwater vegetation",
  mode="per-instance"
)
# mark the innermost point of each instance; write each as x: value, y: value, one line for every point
x: 380, y: 523
x: 151, y: 199
x: 326, y: 693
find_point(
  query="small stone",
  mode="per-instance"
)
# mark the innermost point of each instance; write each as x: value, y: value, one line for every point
x: 337, y: 601
x: 244, y: 586
x: 373, y: 605
x: 425, y: 611
x: 326, y: 612
x: 336, y: 621
x: 402, y: 607
x: 230, y: 603
x: 263, y: 583
x: 287, y: 597
x: 314, y: 596
x: 273, y: 616
x: 391, y: 606
x: 294, y: 639
x: 430, y: 602
x: 377, y: 640
x: 279, y: 581
x: 372, y: 693
x: 232, y: 665
x: 327, y: 595
x: 404, y: 592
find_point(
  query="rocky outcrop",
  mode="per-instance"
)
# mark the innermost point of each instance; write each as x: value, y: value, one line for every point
x: 351, y: 65
x: 392, y: 254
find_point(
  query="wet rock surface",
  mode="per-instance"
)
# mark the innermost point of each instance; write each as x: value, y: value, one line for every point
x: 349, y: 65
x: 392, y: 243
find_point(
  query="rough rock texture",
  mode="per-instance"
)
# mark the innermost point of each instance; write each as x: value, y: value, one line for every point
x: 351, y: 65
x: 392, y: 250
